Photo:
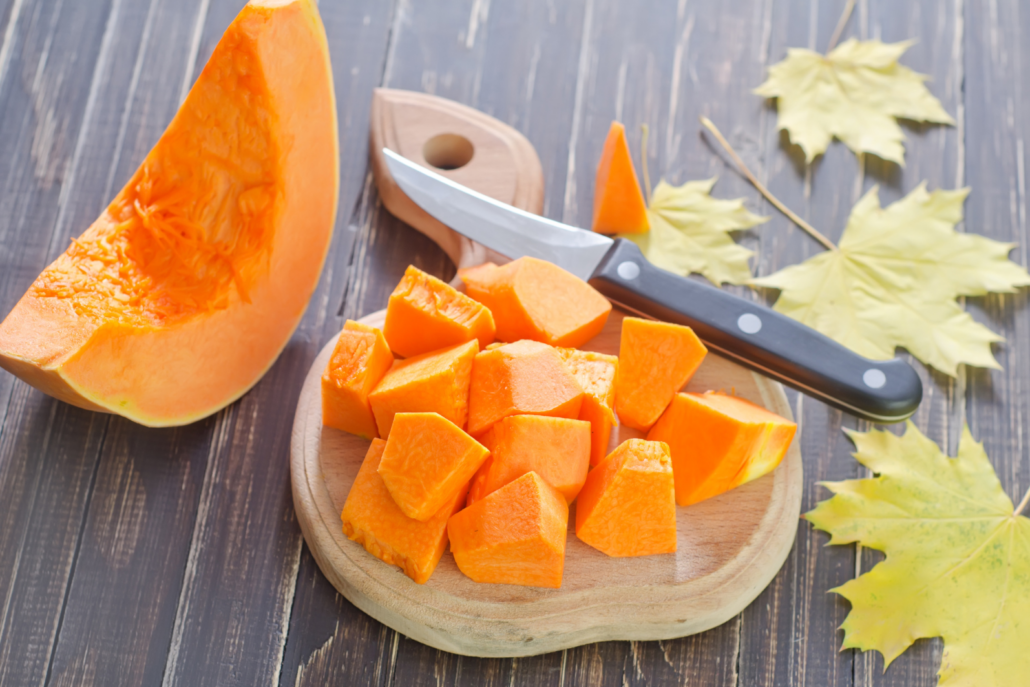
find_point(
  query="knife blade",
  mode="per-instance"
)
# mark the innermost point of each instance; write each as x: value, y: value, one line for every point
x: 758, y: 337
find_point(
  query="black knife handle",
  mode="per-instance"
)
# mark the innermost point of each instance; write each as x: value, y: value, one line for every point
x: 761, y: 338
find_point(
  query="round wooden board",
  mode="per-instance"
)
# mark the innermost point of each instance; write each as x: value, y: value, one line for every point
x: 730, y: 547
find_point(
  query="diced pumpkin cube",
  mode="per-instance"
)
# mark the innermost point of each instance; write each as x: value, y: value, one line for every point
x: 619, y: 206
x: 628, y: 505
x: 360, y: 360
x: 425, y: 314
x: 719, y: 442
x: 655, y: 360
x: 428, y: 459
x: 434, y: 382
x: 523, y: 378
x: 537, y: 300
x: 516, y: 535
x: 595, y: 373
x: 372, y: 518
x: 555, y: 448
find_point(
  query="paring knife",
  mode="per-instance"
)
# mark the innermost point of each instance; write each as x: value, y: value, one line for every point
x: 753, y: 335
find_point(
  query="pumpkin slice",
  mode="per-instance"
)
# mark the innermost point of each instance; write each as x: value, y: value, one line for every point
x: 516, y: 535
x: 523, y: 378
x: 360, y: 360
x: 371, y: 518
x: 619, y: 206
x: 537, y: 300
x: 425, y: 314
x: 595, y: 373
x: 719, y: 442
x: 428, y: 459
x: 183, y: 292
x: 555, y: 448
x: 436, y: 382
x: 628, y: 505
x: 655, y: 360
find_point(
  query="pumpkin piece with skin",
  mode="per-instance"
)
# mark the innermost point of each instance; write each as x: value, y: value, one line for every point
x: 516, y: 535
x: 425, y: 314
x: 656, y: 359
x: 360, y: 360
x: 628, y: 505
x: 428, y: 459
x: 595, y: 373
x: 523, y: 378
x: 719, y: 442
x: 619, y: 206
x: 537, y: 300
x: 557, y: 449
x: 183, y: 292
x: 434, y: 382
x: 372, y: 518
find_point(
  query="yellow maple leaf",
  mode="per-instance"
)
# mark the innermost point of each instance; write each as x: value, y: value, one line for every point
x: 894, y: 279
x: 690, y: 232
x: 958, y: 558
x: 856, y: 93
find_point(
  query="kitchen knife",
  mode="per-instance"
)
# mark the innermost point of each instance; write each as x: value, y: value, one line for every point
x: 753, y: 335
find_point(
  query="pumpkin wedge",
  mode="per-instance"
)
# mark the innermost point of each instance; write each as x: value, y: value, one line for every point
x: 183, y: 292
x: 619, y: 206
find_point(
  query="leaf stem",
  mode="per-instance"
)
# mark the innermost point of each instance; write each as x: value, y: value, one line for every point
x: 1022, y: 504
x: 841, y: 23
x: 808, y: 228
x: 643, y: 163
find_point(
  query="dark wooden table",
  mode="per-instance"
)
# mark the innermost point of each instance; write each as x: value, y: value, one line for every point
x: 138, y: 556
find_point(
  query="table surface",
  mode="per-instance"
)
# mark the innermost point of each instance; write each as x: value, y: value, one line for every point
x: 141, y: 556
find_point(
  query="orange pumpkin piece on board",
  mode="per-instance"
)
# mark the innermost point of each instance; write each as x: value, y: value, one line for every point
x: 655, y: 360
x: 523, y: 378
x: 360, y: 359
x: 371, y: 518
x: 719, y: 442
x: 555, y: 448
x: 435, y: 382
x: 619, y: 206
x: 595, y: 373
x: 628, y: 505
x: 516, y: 535
x: 535, y: 299
x: 425, y: 314
x: 428, y: 459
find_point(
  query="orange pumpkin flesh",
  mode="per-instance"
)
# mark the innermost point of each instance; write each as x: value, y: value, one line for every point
x: 628, y: 505
x: 425, y: 314
x: 537, y: 300
x: 595, y: 373
x: 184, y: 291
x: 555, y: 448
x: 655, y: 360
x: 719, y: 442
x: 428, y: 459
x: 371, y: 518
x: 619, y: 206
x: 516, y: 535
x: 360, y: 360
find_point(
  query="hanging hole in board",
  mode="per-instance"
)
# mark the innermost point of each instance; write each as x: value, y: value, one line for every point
x: 448, y: 151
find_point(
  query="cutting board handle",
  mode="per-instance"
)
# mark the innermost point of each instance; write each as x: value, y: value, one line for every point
x: 463, y: 144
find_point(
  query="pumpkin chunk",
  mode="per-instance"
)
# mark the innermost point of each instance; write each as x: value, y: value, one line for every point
x: 435, y: 382
x: 425, y: 314
x: 619, y: 206
x: 371, y: 518
x: 595, y: 373
x: 427, y: 460
x: 523, y: 378
x: 719, y: 442
x: 555, y: 448
x: 516, y: 535
x: 537, y: 300
x: 628, y: 505
x: 655, y: 360
x: 360, y: 359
